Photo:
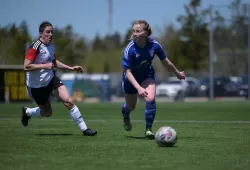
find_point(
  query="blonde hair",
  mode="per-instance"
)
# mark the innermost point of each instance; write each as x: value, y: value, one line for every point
x: 147, y: 27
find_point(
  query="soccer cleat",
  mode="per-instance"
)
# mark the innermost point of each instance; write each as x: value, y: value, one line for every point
x: 127, y: 124
x: 149, y: 134
x: 25, y: 117
x: 89, y: 132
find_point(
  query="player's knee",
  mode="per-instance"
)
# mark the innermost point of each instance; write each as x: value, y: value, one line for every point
x: 150, y: 99
x: 131, y: 106
x: 69, y: 103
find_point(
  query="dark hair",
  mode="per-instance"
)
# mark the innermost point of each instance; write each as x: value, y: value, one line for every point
x: 43, y: 25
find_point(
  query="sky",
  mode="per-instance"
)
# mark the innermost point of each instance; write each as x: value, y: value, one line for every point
x: 89, y: 17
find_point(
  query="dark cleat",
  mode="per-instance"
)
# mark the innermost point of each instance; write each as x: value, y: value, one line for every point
x: 127, y: 124
x: 89, y: 132
x: 25, y: 117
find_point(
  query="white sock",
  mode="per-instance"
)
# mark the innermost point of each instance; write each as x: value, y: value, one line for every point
x: 77, y: 118
x: 33, y: 112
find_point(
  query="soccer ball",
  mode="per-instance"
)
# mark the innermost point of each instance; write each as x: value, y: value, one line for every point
x: 166, y: 136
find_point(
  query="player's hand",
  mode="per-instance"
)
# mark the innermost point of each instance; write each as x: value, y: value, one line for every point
x: 49, y: 66
x: 181, y: 75
x: 142, y: 92
x: 78, y: 69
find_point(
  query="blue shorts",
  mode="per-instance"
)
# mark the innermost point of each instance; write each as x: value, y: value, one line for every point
x: 128, y: 88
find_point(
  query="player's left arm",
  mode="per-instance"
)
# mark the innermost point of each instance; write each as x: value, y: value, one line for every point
x: 167, y: 63
x: 60, y: 65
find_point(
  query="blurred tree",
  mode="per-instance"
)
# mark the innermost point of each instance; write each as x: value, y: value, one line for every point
x: 239, y: 36
x: 104, y: 62
x: 172, y: 44
x: 20, y: 41
x: 112, y: 41
x: 127, y: 37
x: 186, y: 47
x: 70, y: 47
x: 98, y: 43
x: 13, y: 40
x: 230, y: 40
x: 106, y: 68
x: 117, y: 40
x: 5, y: 41
x: 194, y: 34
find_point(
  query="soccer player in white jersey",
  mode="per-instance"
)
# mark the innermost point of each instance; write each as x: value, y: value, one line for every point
x: 40, y: 62
x: 139, y: 75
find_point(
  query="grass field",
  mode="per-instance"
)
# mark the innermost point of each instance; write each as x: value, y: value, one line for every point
x: 210, y: 136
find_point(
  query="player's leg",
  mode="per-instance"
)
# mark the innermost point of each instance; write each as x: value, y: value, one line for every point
x: 129, y: 105
x: 62, y: 94
x: 149, y: 85
x: 41, y: 97
x: 127, y: 108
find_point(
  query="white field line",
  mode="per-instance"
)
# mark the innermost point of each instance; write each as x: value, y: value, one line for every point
x: 143, y: 121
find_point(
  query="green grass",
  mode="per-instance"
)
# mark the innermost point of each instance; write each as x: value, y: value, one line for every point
x: 212, y: 139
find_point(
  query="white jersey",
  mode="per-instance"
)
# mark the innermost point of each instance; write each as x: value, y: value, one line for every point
x: 40, y: 53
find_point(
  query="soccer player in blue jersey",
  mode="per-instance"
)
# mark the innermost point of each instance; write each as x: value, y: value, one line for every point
x: 139, y: 75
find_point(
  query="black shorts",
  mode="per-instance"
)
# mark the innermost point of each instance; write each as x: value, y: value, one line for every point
x: 41, y: 95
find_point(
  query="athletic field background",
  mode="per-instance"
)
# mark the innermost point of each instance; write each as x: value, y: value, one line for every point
x: 211, y: 135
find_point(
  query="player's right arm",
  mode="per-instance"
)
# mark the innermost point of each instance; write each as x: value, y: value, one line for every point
x: 127, y: 66
x: 28, y: 66
x: 30, y: 56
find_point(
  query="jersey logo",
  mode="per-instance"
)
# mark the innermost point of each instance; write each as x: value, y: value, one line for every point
x: 137, y: 55
x: 151, y: 53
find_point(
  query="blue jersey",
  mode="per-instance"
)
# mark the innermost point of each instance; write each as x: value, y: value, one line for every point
x: 139, y: 60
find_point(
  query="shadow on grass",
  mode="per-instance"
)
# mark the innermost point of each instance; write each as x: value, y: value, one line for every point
x: 54, y: 134
x: 139, y: 137
x: 168, y: 147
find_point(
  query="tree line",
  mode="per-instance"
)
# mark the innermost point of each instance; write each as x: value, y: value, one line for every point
x: 186, y: 46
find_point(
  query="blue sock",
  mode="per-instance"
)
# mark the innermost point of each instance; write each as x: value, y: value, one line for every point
x: 125, y: 111
x: 150, y: 113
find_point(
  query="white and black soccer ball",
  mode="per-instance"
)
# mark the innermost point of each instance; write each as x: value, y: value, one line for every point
x: 166, y: 136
